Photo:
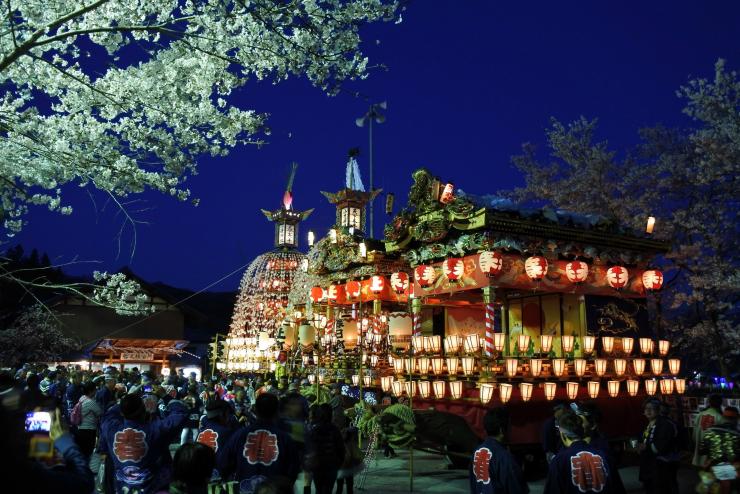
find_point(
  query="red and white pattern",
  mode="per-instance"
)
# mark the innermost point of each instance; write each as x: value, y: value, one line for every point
x: 209, y: 437
x: 130, y: 445
x: 416, y: 318
x: 454, y: 268
x: 491, y: 263
x: 490, y: 319
x: 617, y: 277
x: 335, y: 292
x: 652, y: 279
x: 425, y: 276
x: 329, y: 327
x: 481, y: 465
x: 352, y: 289
x: 399, y: 282
x: 536, y: 267
x: 317, y: 293
x: 261, y: 447
x: 377, y: 284
x: 588, y: 473
x: 576, y: 271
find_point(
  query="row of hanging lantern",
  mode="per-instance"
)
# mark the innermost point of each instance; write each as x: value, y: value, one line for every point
x: 454, y: 389
x: 534, y: 367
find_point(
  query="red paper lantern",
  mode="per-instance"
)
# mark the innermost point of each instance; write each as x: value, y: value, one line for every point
x: 491, y: 263
x: 317, y: 293
x: 576, y: 271
x: 652, y: 279
x: 335, y: 292
x: 377, y: 283
x: 425, y: 276
x: 400, y: 282
x: 453, y: 268
x: 617, y: 277
x: 352, y: 289
x: 536, y: 267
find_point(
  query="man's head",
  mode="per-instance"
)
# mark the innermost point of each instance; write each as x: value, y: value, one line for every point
x: 496, y: 422
x: 651, y: 408
x: 715, y: 401
x: 218, y: 410
x: 110, y: 382
x: 558, y: 408
x: 132, y: 408
x: 76, y: 378
x: 571, y: 428
x: 193, y: 466
x: 266, y: 406
x: 729, y: 416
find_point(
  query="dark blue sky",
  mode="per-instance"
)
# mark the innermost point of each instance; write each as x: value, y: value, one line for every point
x: 467, y: 83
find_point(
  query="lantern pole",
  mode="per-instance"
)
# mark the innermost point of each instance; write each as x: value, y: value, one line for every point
x: 361, y: 341
x: 416, y: 313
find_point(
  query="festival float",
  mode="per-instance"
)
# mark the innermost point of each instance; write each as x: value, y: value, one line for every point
x: 471, y: 302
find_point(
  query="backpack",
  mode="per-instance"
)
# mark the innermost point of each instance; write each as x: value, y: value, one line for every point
x: 75, y: 417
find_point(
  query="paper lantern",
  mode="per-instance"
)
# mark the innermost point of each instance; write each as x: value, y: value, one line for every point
x: 652, y: 279
x: 397, y: 388
x: 452, y: 365
x: 666, y: 386
x: 638, y: 365
x: 423, y: 365
x: 512, y: 366
x: 377, y: 283
x: 355, y: 379
x: 439, y: 389
x: 663, y: 347
x: 434, y: 343
x: 417, y: 342
x: 523, y: 343
x: 600, y: 366
x: 424, y: 389
x: 571, y: 389
x: 651, y: 385
x: 617, y: 277
x: 545, y: 343
x: 311, y: 378
x: 352, y: 290
x: 456, y: 389
x: 627, y: 344
x: 674, y: 365
x: 425, y: 276
x: 589, y: 342
x: 620, y: 366
x: 373, y: 360
x: 535, y: 367
x: 550, y: 390
x: 334, y: 292
x: 386, y: 382
x: 579, y: 366
x: 472, y: 343
x: 632, y: 387
x: 398, y: 365
x: 438, y: 365
x: 525, y: 389
x: 680, y: 386
x: 535, y: 267
x: 558, y: 366
x: 486, y: 393
x: 453, y: 343
x: 499, y: 339
x: 607, y: 343
x: 656, y: 366
x: 399, y: 282
x: 468, y: 365
x: 593, y: 388
x: 646, y: 345
x: 321, y: 378
x: 504, y: 390
x: 491, y: 263
x: 410, y: 388
x: 576, y: 271
x: 568, y: 340
x: 613, y: 388
x: 453, y: 268
x: 448, y: 194
x: 367, y: 380
x: 650, y: 224
x: 317, y: 293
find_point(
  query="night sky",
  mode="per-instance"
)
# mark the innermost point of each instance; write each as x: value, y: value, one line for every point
x: 467, y: 83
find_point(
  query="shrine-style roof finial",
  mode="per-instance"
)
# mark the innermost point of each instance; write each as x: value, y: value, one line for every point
x: 286, y: 219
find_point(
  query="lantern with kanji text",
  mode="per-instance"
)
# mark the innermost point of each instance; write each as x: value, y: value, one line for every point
x: 399, y: 282
x: 453, y: 268
x: 425, y: 275
x: 617, y: 277
x: 576, y: 271
x: 491, y: 263
x: 536, y: 267
x: 652, y: 279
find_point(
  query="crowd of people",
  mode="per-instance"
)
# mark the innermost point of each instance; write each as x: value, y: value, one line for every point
x: 134, y: 433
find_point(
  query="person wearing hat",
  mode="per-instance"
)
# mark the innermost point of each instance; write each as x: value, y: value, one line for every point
x: 217, y: 425
x: 106, y: 396
x: 551, y: 442
x: 659, y: 453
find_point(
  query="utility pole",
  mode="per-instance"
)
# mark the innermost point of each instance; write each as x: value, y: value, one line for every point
x: 373, y: 113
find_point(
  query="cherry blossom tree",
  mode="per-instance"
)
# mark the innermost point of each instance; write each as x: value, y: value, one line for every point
x: 687, y: 179
x: 35, y: 336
